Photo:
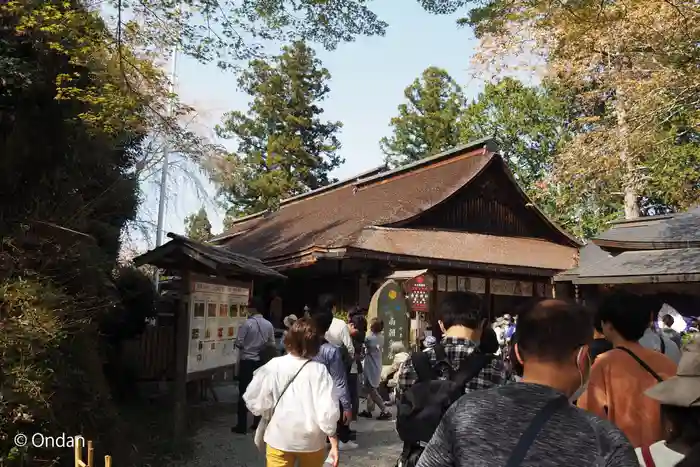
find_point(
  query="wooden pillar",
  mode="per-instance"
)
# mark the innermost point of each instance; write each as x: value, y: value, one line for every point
x: 364, y: 294
x: 437, y: 332
x: 182, y: 326
x: 488, y: 299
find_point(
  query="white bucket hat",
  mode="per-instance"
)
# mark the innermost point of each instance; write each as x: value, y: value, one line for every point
x: 682, y: 390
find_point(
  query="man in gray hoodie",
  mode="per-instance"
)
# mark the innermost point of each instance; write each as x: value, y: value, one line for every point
x: 532, y: 423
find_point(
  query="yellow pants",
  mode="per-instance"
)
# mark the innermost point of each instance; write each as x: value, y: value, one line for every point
x: 277, y: 458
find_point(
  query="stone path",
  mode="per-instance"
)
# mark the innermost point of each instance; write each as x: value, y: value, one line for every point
x: 216, y: 446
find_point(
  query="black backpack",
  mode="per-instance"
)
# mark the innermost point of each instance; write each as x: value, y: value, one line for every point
x: 344, y: 355
x: 421, y: 407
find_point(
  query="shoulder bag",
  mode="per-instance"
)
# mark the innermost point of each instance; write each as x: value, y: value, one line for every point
x: 265, y: 421
x: 642, y: 364
x: 530, y: 434
x: 269, y: 351
x: 647, y: 457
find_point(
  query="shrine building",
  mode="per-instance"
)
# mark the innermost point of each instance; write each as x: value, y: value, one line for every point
x: 459, y: 220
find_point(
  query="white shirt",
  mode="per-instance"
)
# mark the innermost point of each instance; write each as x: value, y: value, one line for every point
x: 306, y: 413
x: 339, y: 335
x: 663, y: 456
x: 652, y: 340
x: 252, y: 337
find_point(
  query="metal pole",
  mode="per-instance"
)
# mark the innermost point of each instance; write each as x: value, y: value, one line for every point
x: 166, y: 153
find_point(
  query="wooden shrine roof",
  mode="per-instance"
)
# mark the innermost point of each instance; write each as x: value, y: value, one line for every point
x: 646, y: 250
x: 334, y: 217
x: 181, y: 251
x: 467, y: 247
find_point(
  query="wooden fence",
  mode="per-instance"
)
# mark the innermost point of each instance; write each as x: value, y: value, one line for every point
x: 90, y: 462
x: 151, y: 355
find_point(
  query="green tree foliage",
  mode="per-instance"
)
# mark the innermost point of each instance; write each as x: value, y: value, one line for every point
x: 428, y: 122
x: 197, y: 226
x: 637, y: 91
x: 284, y: 148
x: 530, y: 126
x: 227, y: 31
x: 72, y: 137
x: 528, y: 123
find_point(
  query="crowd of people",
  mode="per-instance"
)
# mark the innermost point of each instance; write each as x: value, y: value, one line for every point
x: 556, y: 385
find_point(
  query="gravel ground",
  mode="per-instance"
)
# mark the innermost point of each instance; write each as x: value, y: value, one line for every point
x: 216, y: 446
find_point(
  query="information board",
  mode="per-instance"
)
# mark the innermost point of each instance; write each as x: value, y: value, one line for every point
x: 216, y: 313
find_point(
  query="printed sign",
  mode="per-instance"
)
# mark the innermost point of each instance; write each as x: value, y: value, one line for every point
x: 216, y: 313
x: 418, y: 294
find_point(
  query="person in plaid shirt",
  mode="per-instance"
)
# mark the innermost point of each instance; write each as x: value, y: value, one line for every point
x: 461, y: 318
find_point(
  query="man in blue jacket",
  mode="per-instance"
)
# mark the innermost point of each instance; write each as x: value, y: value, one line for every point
x: 331, y: 357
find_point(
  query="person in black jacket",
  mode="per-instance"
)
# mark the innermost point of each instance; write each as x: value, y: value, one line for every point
x: 600, y: 344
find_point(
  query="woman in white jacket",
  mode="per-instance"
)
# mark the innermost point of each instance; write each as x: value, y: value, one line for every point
x: 298, y: 397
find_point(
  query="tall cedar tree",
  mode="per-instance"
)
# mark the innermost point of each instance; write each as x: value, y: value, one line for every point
x: 284, y: 148
x: 197, y: 226
x: 429, y: 122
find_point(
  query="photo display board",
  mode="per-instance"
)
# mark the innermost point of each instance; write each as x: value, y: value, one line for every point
x: 216, y: 314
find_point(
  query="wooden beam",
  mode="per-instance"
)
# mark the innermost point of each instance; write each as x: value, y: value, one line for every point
x: 198, y: 257
x: 182, y: 325
x: 488, y: 298
x: 431, y: 263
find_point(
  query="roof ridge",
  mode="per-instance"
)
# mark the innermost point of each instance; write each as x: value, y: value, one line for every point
x: 333, y: 186
x: 487, y: 143
x: 339, y: 184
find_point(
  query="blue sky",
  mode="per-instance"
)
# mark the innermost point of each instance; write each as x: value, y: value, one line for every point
x: 368, y: 79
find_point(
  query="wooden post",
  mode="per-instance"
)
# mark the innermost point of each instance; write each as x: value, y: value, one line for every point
x: 432, y: 316
x: 182, y: 324
x: 91, y: 454
x: 488, y: 298
x: 108, y: 461
x: 78, y: 452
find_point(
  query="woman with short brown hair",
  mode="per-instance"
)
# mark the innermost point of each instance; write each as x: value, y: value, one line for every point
x: 297, y: 397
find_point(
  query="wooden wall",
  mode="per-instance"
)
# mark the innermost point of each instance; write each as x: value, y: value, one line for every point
x: 489, y: 205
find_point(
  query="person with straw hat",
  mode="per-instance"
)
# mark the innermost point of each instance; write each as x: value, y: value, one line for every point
x: 679, y: 397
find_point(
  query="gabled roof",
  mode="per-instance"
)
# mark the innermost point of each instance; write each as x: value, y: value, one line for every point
x: 640, y: 266
x: 334, y: 217
x: 651, y: 249
x: 680, y: 230
x: 215, y: 259
x: 588, y: 255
